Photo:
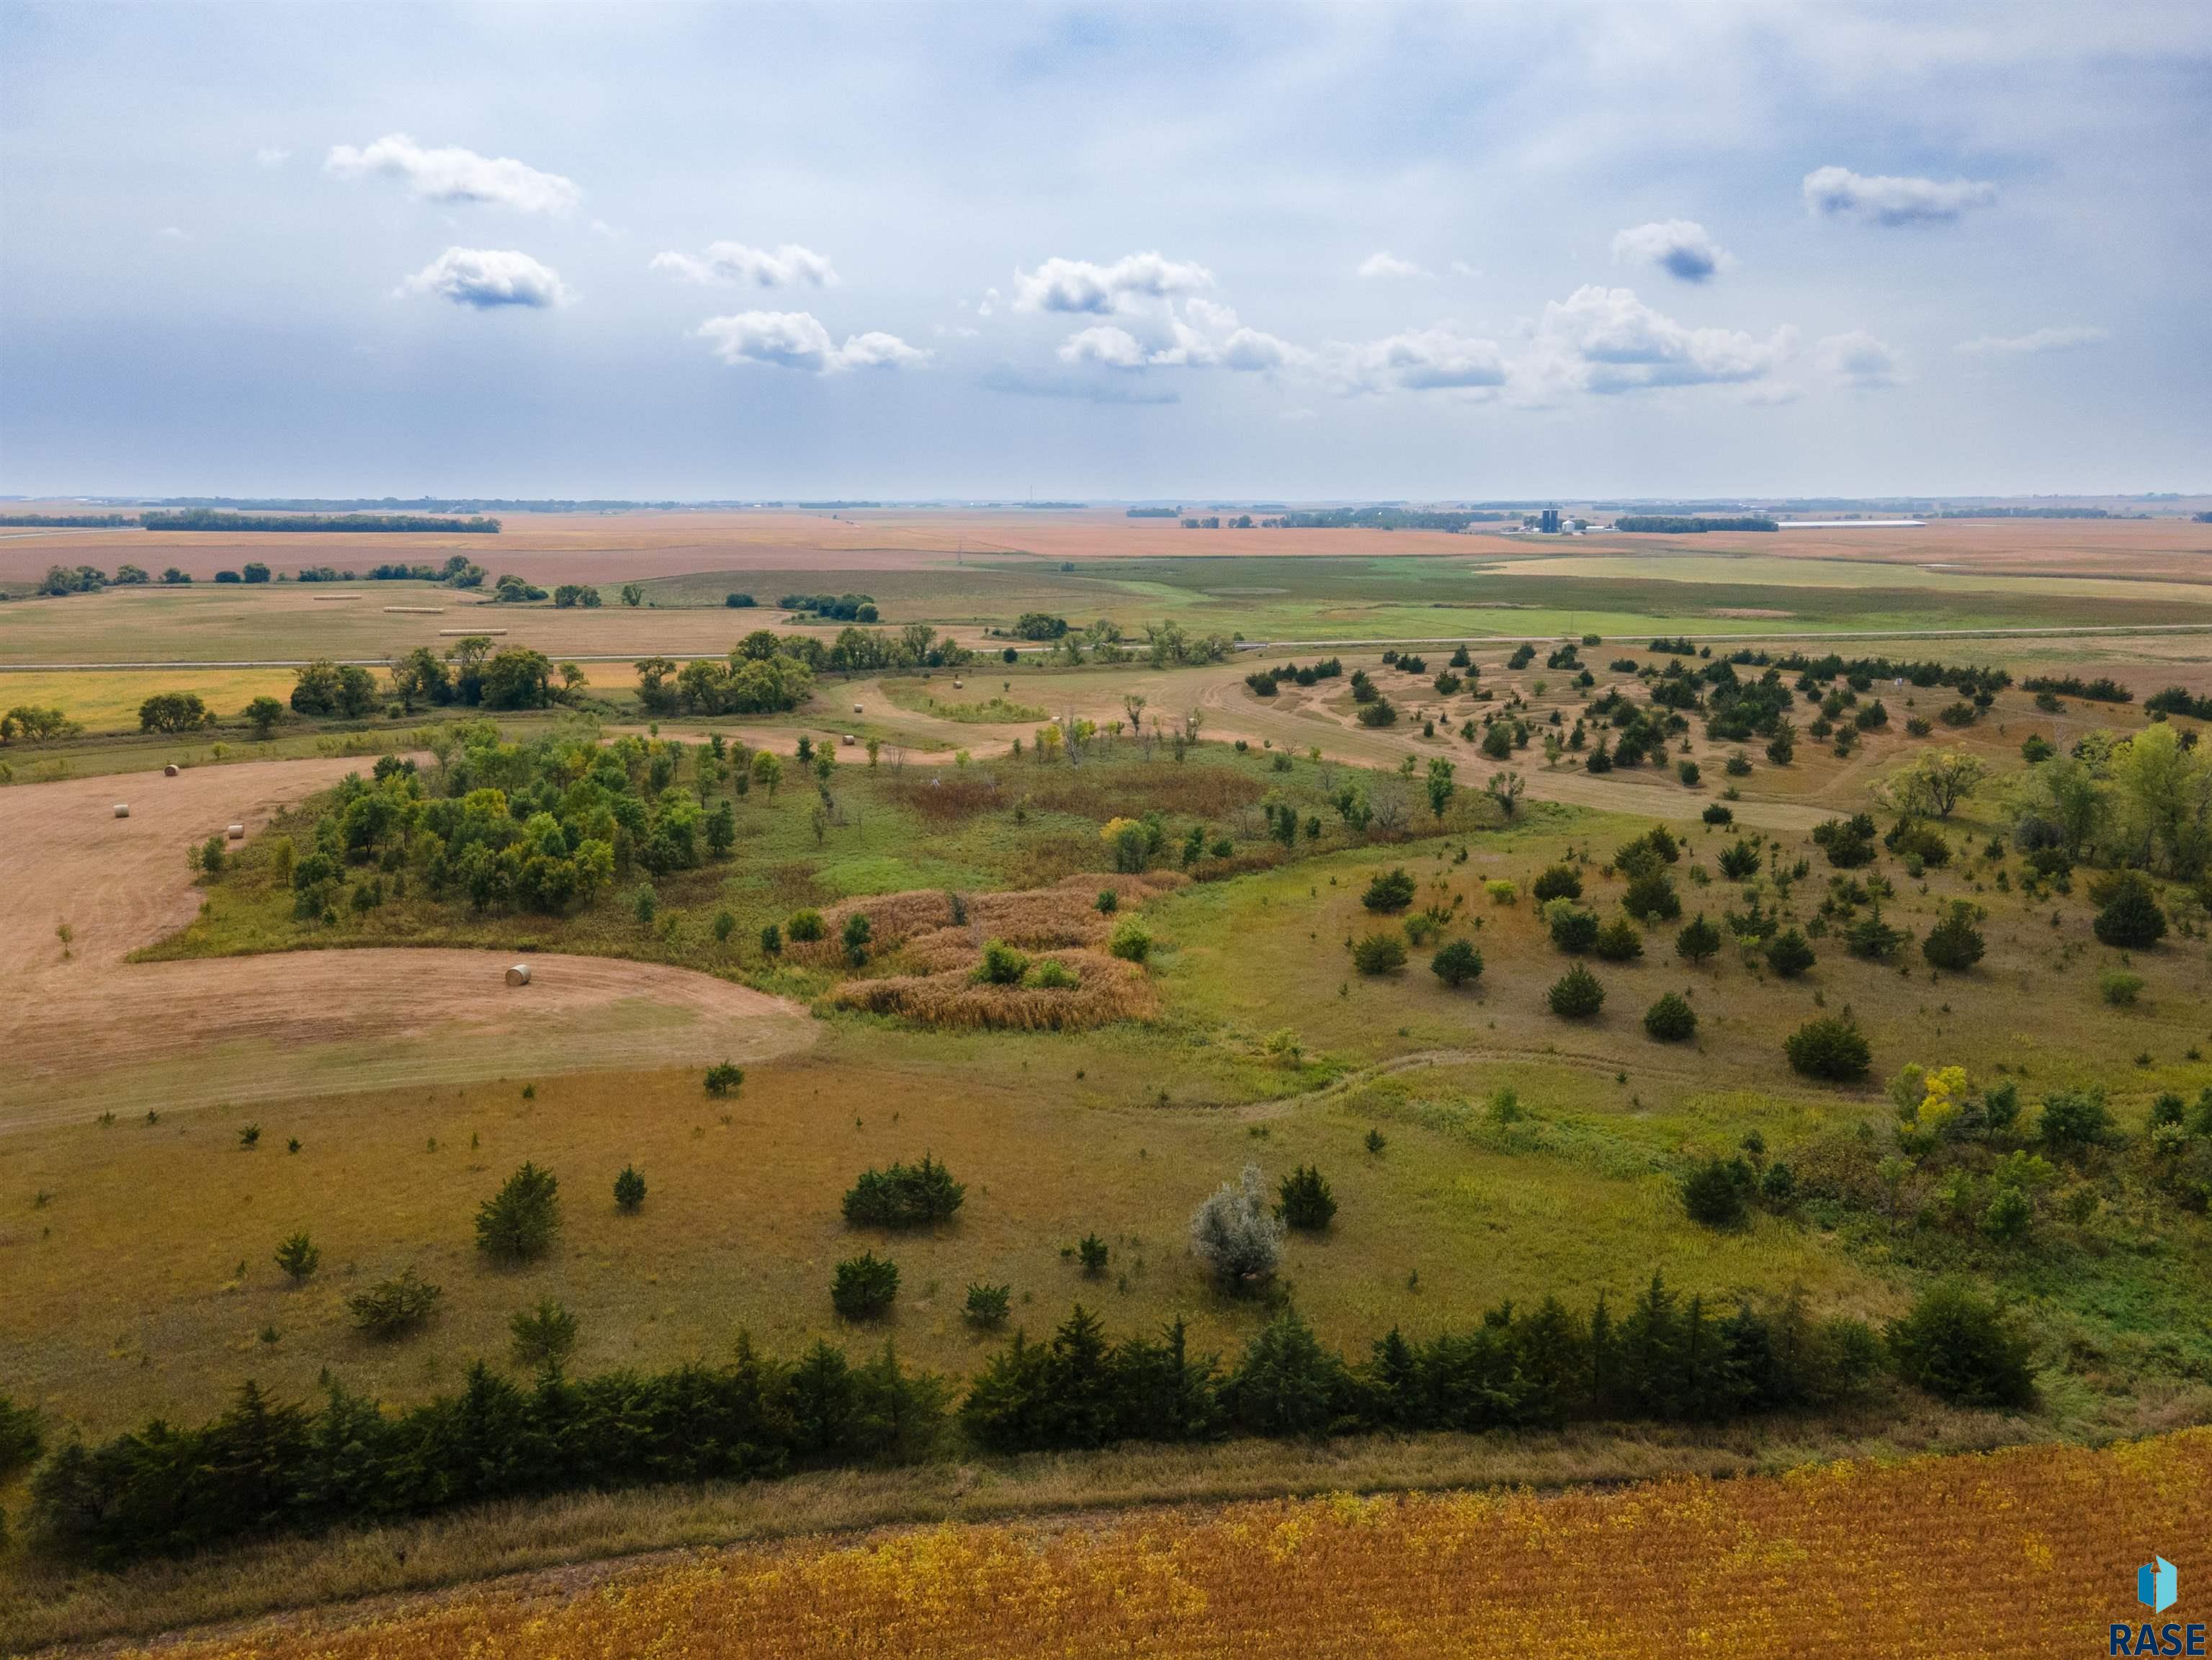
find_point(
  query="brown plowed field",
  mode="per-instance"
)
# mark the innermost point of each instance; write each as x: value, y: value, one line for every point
x: 84, y: 1030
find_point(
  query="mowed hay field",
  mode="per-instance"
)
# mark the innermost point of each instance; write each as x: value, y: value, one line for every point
x: 2026, y: 1552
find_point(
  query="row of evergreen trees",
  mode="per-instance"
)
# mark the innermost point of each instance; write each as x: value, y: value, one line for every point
x: 266, y: 1467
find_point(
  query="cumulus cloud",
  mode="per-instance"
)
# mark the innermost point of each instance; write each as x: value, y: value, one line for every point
x: 1884, y: 200
x: 1605, y: 341
x: 1250, y: 351
x: 1859, y: 359
x: 797, y: 340
x: 1081, y: 285
x: 1104, y: 344
x: 785, y: 267
x: 1423, y: 360
x: 1383, y: 263
x: 487, y: 278
x: 2034, y: 344
x: 1680, y: 247
x: 453, y: 174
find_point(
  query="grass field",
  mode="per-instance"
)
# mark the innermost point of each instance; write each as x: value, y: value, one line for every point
x: 1520, y: 1154
x: 1844, y: 1560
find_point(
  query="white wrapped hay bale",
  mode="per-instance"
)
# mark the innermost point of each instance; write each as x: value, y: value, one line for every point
x: 122, y: 810
x: 169, y: 771
x: 850, y: 740
x: 235, y: 832
x: 857, y: 709
x: 518, y: 975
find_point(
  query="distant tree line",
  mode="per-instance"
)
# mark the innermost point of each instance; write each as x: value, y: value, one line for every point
x: 207, y: 519
x: 64, y: 520
x: 1675, y: 525
x: 1380, y: 519
x: 265, y: 1467
x: 2175, y: 699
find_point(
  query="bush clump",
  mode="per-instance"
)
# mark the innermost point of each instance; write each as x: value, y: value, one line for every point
x: 1832, y: 1048
x: 805, y: 927
x: 1575, y: 994
x: 1955, y: 944
x: 903, y: 1196
x: 1391, y: 891
x: 1714, y: 1193
x: 723, y: 1078
x: 1379, y: 953
x: 630, y: 1191
x: 1130, y: 940
x: 2127, y: 915
x: 1618, y: 941
x: 987, y: 1306
x: 518, y: 1222
x: 1959, y: 1348
x: 1670, y: 1020
x: 1456, y: 964
x: 864, y: 1287
x: 1002, y: 965
x: 1236, y: 1234
x: 1574, y: 930
x: 391, y: 1308
x: 1558, y: 882
x: 1789, y: 954
x: 1306, y: 1203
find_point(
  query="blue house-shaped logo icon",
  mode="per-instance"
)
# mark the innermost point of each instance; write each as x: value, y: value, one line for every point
x: 2157, y: 1584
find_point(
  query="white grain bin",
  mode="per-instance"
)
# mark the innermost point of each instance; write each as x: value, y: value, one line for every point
x: 850, y: 740
x: 235, y: 832
x: 122, y: 810
x: 518, y: 975
x: 169, y: 771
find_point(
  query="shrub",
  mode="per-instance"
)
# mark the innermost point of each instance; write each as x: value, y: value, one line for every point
x: 805, y: 927
x: 1788, y: 955
x: 1558, y: 882
x: 1002, y: 965
x: 903, y: 1196
x: 856, y: 933
x: 1109, y: 902
x: 1738, y: 765
x: 864, y: 1287
x: 2128, y: 918
x: 1713, y: 1193
x: 1306, y: 1204
x: 1718, y: 815
x: 1456, y: 964
x: 1849, y: 842
x: 1687, y: 772
x: 1392, y: 891
x: 630, y: 1191
x: 1738, y: 862
x: 299, y: 1257
x: 1618, y: 941
x: 518, y: 1222
x: 723, y: 1078
x: 1954, y: 943
x: 2119, y: 988
x: 21, y: 1437
x: 1573, y: 929
x: 1092, y: 1253
x: 1052, y: 974
x: 988, y: 1305
x: 543, y: 1336
x: 1697, y: 940
x: 392, y: 1308
x: 1379, y: 713
x: 1131, y: 942
x: 2075, y: 1119
x: 1235, y: 1235
x: 1670, y: 1020
x: 2036, y: 748
x: 1501, y: 891
x: 1379, y: 953
x: 1651, y: 898
x: 1958, y: 1347
x: 2008, y: 1216
x: 1575, y: 994
x: 1832, y: 1048
x: 771, y: 941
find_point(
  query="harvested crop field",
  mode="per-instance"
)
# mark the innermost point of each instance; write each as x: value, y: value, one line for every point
x: 1846, y: 1560
x: 91, y: 1031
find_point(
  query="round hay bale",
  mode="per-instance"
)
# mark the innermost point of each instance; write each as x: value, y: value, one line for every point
x: 518, y: 975
x: 850, y: 740
x: 235, y: 832
x: 857, y: 709
x: 122, y: 810
x: 169, y: 771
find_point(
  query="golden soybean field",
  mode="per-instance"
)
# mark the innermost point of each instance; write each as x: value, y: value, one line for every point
x: 2026, y: 1552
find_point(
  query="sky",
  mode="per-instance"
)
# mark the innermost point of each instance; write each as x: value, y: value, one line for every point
x: 1257, y: 252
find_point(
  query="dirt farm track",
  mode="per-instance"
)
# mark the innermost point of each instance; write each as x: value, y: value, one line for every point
x: 84, y: 1030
